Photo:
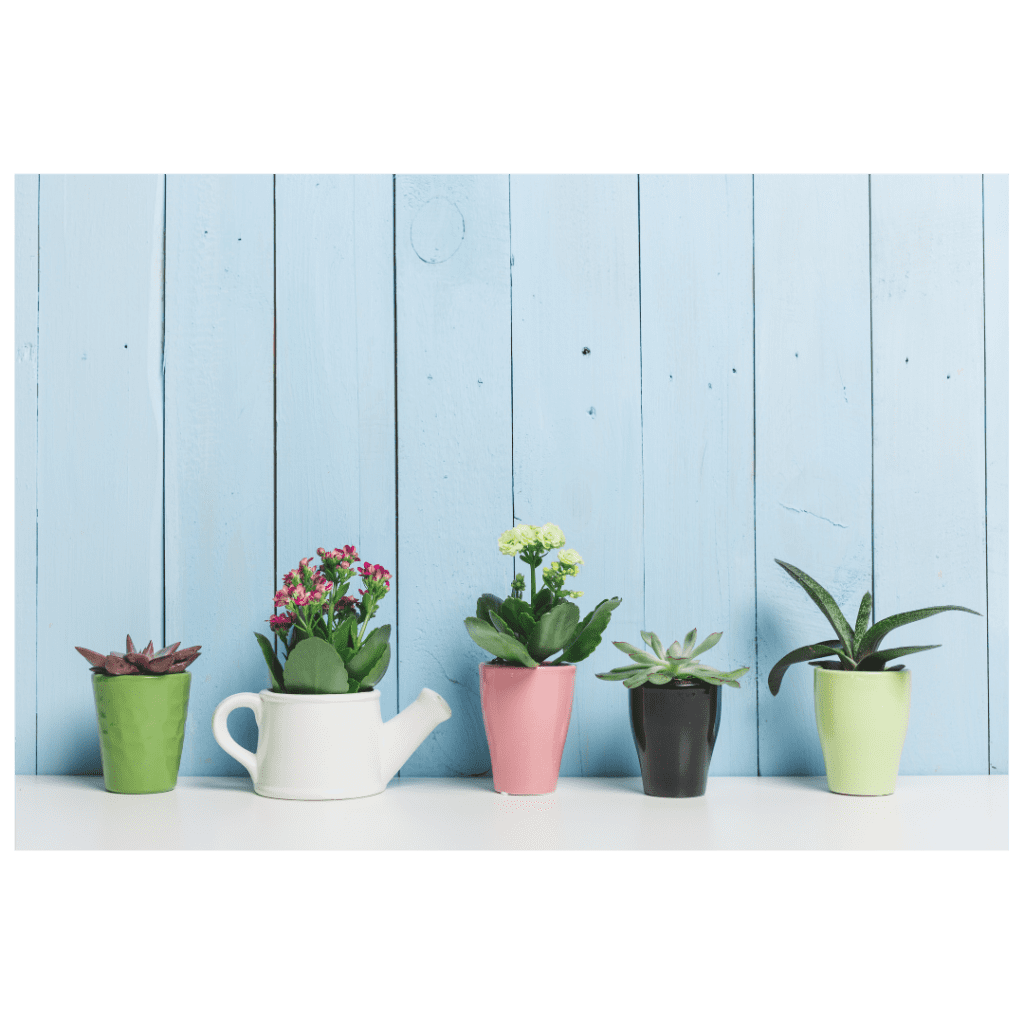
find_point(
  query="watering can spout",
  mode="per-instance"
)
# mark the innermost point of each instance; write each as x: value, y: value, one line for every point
x: 406, y: 731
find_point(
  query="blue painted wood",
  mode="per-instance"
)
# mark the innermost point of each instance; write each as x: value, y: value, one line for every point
x: 696, y: 263
x: 100, y: 443
x: 576, y: 418
x: 220, y: 443
x: 454, y: 444
x: 997, y: 450
x: 813, y: 434
x: 930, y: 454
x: 26, y: 283
x: 467, y: 325
x: 336, y: 376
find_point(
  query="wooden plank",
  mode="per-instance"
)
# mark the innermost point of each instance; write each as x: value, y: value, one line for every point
x: 997, y: 449
x: 336, y: 376
x: 813, y: 434
x: 100, y: 443
x: 576, y: 418
x: 454, y: 444
x: 26, y: 297
x: 696, y: 253
x: 930, y: 454
x: 220, y: 443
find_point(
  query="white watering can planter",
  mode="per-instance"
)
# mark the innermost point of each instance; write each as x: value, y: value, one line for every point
x: 327, y: 746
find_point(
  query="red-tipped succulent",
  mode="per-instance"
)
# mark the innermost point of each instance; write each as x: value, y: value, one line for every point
x: 146, y: 662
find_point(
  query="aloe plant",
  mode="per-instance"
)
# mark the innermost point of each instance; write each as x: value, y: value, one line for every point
x: 676, y: 663
x: 856, y: 647
x: 147, y: 662
x: 529, y: 633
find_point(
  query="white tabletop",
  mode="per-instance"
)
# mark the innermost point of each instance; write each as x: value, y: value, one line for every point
x: 963, y: 812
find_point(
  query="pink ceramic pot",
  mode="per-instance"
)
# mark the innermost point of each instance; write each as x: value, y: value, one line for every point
x: 526, y: 717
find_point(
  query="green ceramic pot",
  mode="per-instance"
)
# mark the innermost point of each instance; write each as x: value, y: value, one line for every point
x: 862, y: 723
x: 142, y: 728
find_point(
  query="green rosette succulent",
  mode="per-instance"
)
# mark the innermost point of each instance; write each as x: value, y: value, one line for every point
x: 676, y: 663
x: 530, y: 633
x: 855, y: 648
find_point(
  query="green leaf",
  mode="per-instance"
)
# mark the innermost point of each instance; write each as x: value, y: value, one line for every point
x: 553, y: 631
x: 874, y: 636
x: 659, y: 678
x: 315, y: 667
x: 642, y: 657
x: 825, y: 648
x: 485, y: 603
x: 688, y: 641
x: 675, y: 650
x: 620, y: 673
x: 319, y: 628
x: 543, y: 602
x: 276, y: 672
x: 507, y: 648
x: 518, y: 615
x: 706, y: 645
x: 377, y: 670
x: 825, y: 602
x: 343, y: 637
x: 651, y: 639
x: 635, y: 680
x: 498, y: 622
x: 863, y: 616
x: 369, y: 651
x: 876, y: 662
x: 588, y: 636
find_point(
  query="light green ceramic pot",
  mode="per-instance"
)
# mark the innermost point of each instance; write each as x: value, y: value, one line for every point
x: 142, y: 729
x: 862, y: 723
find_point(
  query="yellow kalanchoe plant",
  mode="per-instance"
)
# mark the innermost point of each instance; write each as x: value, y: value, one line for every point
x: 528, y: 633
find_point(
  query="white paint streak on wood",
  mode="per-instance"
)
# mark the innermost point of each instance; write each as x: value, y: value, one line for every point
x: 100, y: 443
x: 997, y: 438
x: 26, y: 265
x: 220, y: 443
x: 455, y: 445
x: 335, y: 377
x: 929, y: 454
x: 576, y: 418
x: 813, y: 434
x: 696, y: 252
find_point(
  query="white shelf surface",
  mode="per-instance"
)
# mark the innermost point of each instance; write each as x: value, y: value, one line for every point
x: 963, y: 812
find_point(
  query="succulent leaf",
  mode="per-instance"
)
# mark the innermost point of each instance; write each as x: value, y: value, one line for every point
x: 874, y: 636
x: 276, y: 672
x: 93, y: 657
x: 688, y: 641
x: 675, y: 650
x: 148, y: 651
x: 315, y: 667
x: 375, y: 674
x: 507, y: 648
x: 588, y: 636
x: 486, y: 603
x: 128, y: 645
x: 823, y: 648
x: 825, y: 602
x: 863, y: 616
x: 876, y: 662
x: 652, y: 641
x: 366, y: 657
x: 706, y: 644
x: 553, y: 631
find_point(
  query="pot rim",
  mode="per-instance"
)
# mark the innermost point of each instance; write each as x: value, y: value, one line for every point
x: 140, y: 675
x: 526, y: 668
x: 321, y: 698
x: 845, y: 673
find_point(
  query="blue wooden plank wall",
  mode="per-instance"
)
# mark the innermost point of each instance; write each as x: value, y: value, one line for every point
x: 692, y: 375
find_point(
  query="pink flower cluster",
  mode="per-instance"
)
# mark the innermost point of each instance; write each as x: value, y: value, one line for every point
x: 375, y: 574
x: 303, y: 586
x: 342, y: 557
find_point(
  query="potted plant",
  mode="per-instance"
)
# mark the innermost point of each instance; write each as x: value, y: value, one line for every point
x: 320, y: 731
x: 861, y: 705
x: 675, y: 707
x: 526, y: 691
x: 141, y: 705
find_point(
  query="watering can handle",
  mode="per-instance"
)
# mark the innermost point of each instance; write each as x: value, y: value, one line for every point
x: 220, y: 728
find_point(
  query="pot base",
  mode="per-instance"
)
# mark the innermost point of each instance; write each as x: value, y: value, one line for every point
x: 283, y: 793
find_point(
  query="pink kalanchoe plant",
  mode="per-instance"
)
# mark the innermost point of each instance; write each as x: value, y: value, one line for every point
x: 323, y: 628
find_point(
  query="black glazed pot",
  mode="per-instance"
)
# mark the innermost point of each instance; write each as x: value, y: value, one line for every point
x: 674, y: 728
